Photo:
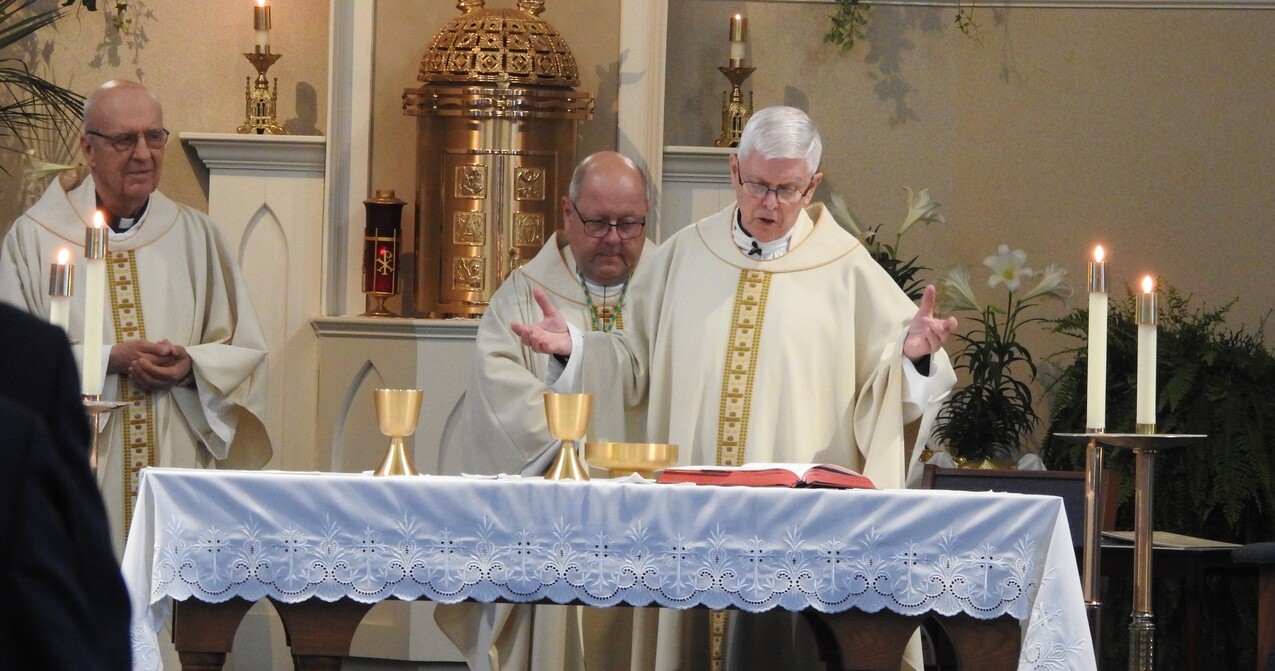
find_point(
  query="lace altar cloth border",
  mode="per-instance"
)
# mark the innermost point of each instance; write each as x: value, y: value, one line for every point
x: 214, y: 535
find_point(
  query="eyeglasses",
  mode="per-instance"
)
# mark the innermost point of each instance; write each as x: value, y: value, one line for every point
x: 598, y: 228
x: 155, y: 138
x: 785, y: 195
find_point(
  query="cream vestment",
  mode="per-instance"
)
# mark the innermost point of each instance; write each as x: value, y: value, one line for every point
x: 793, y: 359
x: 175, y: 266
x: 498, y: 426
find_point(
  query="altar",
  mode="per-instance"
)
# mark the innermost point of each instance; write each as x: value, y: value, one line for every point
x: 217, y: 536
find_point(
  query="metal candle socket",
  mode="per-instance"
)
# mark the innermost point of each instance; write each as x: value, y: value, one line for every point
x: 568, y: 418
x: 397, y: 411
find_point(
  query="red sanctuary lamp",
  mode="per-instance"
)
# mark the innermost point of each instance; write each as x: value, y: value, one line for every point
x: 382, y: 235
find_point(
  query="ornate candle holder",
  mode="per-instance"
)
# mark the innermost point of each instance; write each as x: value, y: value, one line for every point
x: 735, y: 113
x: 397, y: 411
x: 381, y: 237
x: 568, y: 417
x: 95, y: 406
x: 260, y: 102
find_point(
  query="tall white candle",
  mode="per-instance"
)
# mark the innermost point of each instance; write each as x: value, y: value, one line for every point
x: 61, y: 278
x: 261, y: 24
x: 1096, y: 394
x: 94, y: 305
x: 738, y: 38
x: 1145, y: 416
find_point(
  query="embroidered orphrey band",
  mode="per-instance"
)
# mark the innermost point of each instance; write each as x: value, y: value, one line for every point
x: 139, y: 414
x: 741, y: 366
x: 737, y: 398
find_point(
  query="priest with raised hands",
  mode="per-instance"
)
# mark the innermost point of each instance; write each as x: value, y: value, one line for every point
x: 499, y: 426
x: 766, y: 333
x: 181, y: 343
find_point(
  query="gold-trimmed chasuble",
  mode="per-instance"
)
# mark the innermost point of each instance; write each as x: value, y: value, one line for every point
x: 139, y: 414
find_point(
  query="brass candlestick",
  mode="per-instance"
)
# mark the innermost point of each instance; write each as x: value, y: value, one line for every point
x: 735, y: 113
x: 261, y: 103
x: 94, y: 406
x: 1144, y: 446
x: 397, y: 411
x: 568, y: 417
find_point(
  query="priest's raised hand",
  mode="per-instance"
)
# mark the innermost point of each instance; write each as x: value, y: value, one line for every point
x: 549, y: 335
x: 927, y: 333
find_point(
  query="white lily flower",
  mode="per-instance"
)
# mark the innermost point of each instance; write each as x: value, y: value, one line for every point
x: 955, y: 292
x: 1007, y: 268
x: 1051, y: 285
x: 921, y: 208
x: 837, y: 208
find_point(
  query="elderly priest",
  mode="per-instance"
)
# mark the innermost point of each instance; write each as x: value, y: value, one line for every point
x: 766, y: 333
x: 499, y: 426
x: 181, y: 343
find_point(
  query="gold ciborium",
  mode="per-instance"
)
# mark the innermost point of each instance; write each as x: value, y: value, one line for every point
x: 621, y: 459
x: 397, y: 411
x: 568, y: 416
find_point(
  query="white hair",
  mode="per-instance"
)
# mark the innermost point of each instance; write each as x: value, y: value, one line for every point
x: 782, y: 132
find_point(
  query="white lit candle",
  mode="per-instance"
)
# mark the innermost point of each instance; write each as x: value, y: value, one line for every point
x: 60, y: 286
x: 261, y: 24
x: 1145, y: 417
x: 738, y: 37
x: 94, y: 305
x: 1096, y: 395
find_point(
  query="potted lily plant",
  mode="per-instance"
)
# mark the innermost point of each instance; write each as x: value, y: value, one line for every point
x: 986, y: 420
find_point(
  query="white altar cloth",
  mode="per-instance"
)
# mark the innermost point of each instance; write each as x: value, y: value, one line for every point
x: 213, y: 535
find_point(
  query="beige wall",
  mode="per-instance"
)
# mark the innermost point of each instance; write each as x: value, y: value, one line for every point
x: 1149, y: 131
x: 191, y: 55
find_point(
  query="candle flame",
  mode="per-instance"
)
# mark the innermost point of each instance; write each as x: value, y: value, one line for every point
x: 738, y: 17
x: 1097, y: 254
x: 63, y: 255
x: 261, y: 3
x: 1147, y: 284
x: 98, y: 220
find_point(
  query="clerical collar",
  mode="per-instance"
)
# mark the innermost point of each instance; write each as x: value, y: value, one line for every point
x: 754, y: 248
x: 122, y: 224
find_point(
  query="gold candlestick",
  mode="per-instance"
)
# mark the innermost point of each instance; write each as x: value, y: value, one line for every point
x: 735, y: 113
x: 260, y: 102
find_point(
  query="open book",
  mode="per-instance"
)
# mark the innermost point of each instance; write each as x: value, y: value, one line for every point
x: 769, y: 475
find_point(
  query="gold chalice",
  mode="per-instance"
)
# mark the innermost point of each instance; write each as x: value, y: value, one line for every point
x: 568, y: 417
x: 621, y: 459
x: 397, y: 411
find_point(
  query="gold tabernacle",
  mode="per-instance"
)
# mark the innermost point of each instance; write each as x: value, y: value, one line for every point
x: 495, y: 145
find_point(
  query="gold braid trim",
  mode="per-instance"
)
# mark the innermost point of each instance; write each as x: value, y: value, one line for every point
x: 741, y: 366
x: 139, y: 414
x: 737, y: 400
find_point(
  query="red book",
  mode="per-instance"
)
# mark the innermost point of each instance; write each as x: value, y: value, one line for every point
x: 769, y: 475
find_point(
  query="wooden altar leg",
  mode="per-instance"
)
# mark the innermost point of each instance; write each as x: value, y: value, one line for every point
x: 204, y: 632
x: 320, y: 632
x: 987, y: 645
x: 856, y: 641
